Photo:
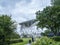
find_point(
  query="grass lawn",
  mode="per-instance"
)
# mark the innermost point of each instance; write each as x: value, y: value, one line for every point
x: 25, y: 41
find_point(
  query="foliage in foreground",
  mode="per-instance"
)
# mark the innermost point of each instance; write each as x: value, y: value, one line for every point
x: 45, y: 41
x: 56, y: 38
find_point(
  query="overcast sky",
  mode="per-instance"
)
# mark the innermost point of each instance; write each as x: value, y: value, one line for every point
x: 22, y: 10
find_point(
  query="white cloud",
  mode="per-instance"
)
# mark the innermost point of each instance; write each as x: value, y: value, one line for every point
x: 22, y: 10
x: 1, y: 10
x: 27, y: 10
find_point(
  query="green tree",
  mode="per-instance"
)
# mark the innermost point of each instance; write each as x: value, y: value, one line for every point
x: 55, y: 2
x: 7, y: 27
x: 45, y: 33
x: 49, y: 18
x: 15, y: 35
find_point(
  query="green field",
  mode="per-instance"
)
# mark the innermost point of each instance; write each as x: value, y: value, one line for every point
x: 25, y: 41
x: 39, y: 41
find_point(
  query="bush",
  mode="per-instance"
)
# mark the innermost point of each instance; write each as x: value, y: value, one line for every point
x: 14, y: 41
x: 45, y: 41
x: 56, y: 38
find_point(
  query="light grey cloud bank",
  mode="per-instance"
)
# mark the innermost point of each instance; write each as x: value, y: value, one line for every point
x: 22, y: 10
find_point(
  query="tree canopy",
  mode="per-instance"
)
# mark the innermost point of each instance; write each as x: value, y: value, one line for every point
x: 45, y: 33
x: 55, y: 2
x: 49, y: 18
x: 7, y: 27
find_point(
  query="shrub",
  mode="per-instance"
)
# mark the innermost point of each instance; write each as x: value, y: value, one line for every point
x: 44, y: 41
x: 56, y: 38
x: 14, y: 41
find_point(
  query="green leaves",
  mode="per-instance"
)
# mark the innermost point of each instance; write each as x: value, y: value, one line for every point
x: 7, y: 27
x: 55, y: 2
x: 45, y: 41
x: 49, y: 18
